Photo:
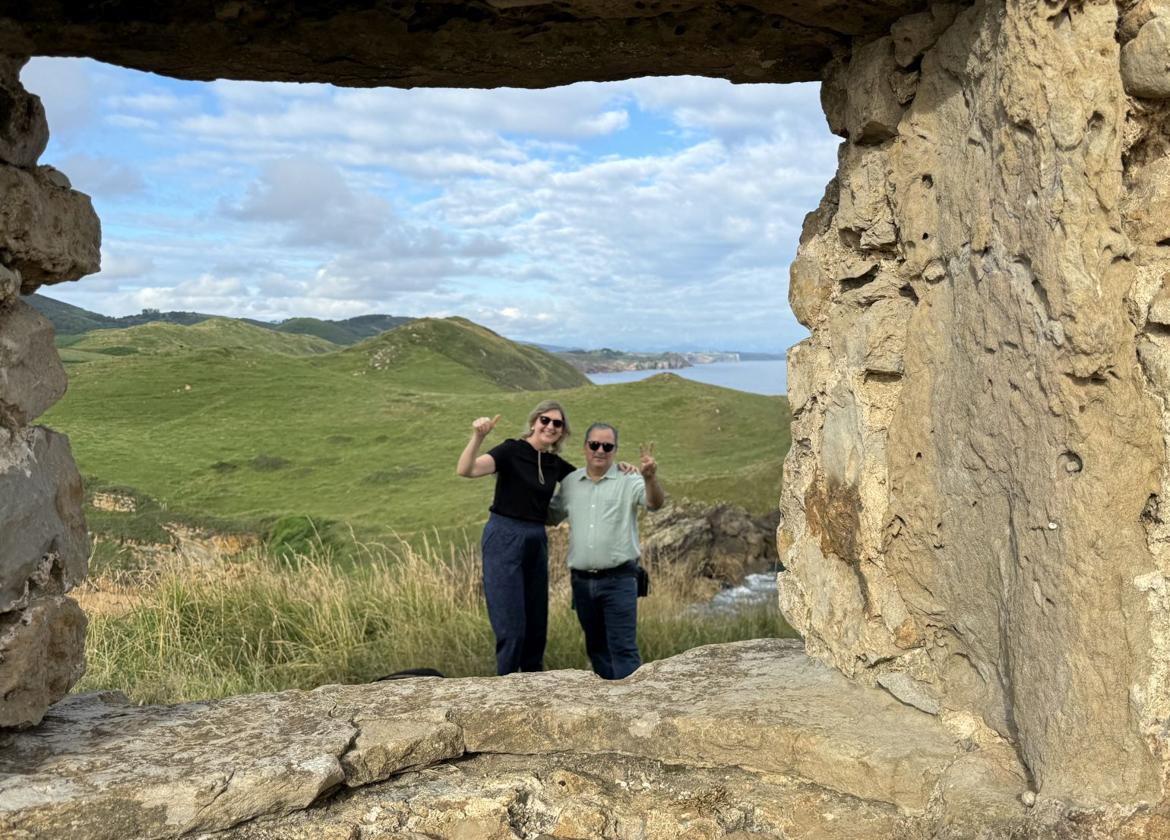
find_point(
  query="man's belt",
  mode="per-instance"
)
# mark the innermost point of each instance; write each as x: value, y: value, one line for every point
x: 629, y: 568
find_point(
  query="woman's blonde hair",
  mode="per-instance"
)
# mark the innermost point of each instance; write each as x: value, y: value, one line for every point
x: 546, y: 406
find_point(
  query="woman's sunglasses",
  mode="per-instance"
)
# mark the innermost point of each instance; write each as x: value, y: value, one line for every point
x: 596, y: 444
x: 545, y: 420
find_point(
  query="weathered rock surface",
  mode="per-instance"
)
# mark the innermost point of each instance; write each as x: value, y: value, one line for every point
x: 721, y: 541
x: 785, y: 733
x: 586, y: 796
x: 1145, y: 61
x: 24, y: 132
x: 475, y: 44
x: 43, y: 544
x: 43, y: 554
x: 42, y: 649
x: 9, y: 286
x: 49, y: 233
x: 32, y: 378
x: 967, y: 498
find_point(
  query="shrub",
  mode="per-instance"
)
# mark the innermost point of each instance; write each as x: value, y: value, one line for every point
x: 291, y: 536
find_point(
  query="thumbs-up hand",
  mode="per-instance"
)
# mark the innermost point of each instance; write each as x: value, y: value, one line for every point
x: 483, y: 425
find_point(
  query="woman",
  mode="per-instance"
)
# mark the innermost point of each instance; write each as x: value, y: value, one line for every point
x: 515, y: 545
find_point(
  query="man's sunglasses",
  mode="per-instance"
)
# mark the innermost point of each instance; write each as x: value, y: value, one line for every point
x: 596, y: 444
x: 545, y: 420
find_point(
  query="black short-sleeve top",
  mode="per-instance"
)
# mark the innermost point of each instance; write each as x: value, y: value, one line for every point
x: 519, y: 491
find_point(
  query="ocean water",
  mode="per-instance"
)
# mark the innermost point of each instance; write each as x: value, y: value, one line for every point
x: 765, y: 377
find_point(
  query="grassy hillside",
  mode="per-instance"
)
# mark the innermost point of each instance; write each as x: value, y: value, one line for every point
x: 349, y: 331
x: 369, y: 436
x: 70, y: 322
x: 68, y: 319
x: 431, y: 343
x: 213, y: 333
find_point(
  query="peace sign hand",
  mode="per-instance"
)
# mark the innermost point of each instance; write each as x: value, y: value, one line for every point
x: 484, y: 425
x: 649, y: 467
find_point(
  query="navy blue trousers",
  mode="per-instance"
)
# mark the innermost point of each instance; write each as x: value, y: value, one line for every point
x: 515, y: 584
x: 607, y: 608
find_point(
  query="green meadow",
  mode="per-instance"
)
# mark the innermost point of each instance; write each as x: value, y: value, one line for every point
x: 342, y: 459
x: 241, y: 428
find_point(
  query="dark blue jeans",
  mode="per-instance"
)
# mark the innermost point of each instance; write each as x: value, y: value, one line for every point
x: 607, y: 608
x: 515, y: 583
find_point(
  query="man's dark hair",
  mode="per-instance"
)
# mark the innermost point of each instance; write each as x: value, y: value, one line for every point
x: 589, y: 431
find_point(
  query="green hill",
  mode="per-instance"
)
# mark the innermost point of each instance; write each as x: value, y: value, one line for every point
x: 250, y: 437
x: 70, y: 321
x: 349, y: 331
x: 437, y: 348
x: 211, y: 334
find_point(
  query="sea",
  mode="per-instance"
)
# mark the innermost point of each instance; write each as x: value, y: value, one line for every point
x: 768, y: 377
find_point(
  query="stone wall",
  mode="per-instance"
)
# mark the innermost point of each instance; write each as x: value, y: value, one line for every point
x: 48, y: 233
x: 972, y: 500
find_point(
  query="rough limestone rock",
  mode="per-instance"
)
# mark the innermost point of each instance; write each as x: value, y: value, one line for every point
x: 32, y: 378
x: 915, y: 34
x: 43, y: 554
x: 776, y: 742
x: 9, y: 287
x: 467, y: 44
x: 50, y: 233
x: 1146, y: 207
x: 24, y: 132
x: 873, y: 102
x: 978, y: 455
x: 575, y: 795
x: 43, y: 546
x: 47, y: 233
x: 723, y: 541
x: 1145, y: 61
x: 41, y: 649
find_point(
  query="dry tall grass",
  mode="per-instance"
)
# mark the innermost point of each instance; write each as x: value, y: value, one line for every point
x: 257, y: 623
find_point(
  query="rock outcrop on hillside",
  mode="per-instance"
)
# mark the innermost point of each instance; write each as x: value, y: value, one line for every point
x: 722, y: 542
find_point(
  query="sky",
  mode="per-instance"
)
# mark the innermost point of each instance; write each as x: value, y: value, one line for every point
x: 645, y: 215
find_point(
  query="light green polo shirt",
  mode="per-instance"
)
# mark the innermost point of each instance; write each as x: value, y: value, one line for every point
x: 603, y: 517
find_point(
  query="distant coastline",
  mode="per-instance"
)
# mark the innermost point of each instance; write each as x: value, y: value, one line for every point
x: 761, y: 376
x: 607, y: 360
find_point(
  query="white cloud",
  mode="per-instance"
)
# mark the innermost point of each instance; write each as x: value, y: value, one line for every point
x: 103, y: 177
x: 118, y: 266
x: 313, y: 198
x: 150, y: 101
x: 637, y: 214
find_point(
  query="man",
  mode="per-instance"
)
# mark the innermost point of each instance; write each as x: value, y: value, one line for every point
x: 601, y: 504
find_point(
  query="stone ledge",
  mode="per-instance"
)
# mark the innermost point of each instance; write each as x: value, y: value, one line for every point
x: 411, y: 44
x: 98, y: 767
x: 48, y: 231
